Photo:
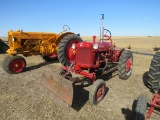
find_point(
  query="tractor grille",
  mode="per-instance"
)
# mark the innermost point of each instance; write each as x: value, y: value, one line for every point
x: 84, y: 56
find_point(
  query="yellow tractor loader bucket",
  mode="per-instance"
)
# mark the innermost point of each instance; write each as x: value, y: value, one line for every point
x: 61, y: 87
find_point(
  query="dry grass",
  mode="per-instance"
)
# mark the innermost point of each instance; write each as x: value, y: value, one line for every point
x: 21, y: 96
x: 137, y: 43
x: 4, y: 38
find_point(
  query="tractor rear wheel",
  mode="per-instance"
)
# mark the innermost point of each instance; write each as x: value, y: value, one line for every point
x: 141, y: 107
x: 97, y: 92
x: 13, y: 64
x: 154, y: 73
x: 125, y: 64
x: 65, y: 51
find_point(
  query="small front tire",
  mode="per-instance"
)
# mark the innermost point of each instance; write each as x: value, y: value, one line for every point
x: 13, y: 64
x: 97, y: 92
x: 141, y: 107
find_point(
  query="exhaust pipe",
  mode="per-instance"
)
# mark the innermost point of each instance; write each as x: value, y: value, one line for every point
x: 102, y: 29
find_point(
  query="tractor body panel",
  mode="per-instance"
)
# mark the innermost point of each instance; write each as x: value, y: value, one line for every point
x: 33, y: 43
x: 85, y: 53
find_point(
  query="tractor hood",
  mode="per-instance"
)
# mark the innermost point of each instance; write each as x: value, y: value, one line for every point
x: 95, y: 45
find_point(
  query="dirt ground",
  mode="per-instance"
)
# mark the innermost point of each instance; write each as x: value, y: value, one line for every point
x: 21, y: 96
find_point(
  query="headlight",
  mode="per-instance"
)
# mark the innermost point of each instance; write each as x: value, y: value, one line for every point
x: 95, y: 46
x: 73, y: 46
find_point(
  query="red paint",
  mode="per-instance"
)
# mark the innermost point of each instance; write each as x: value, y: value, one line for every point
x: 69, y: 51
x: 52, y: 56
x: 100, y: 93
x: 16, y: 65
x: 94, y: 38
x: 76, y: 69
x: 128, y: 65
x: 155, y: 103
x: 87, y: 58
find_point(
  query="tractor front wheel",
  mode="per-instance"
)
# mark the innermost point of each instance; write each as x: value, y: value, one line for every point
x: 97, y: 92
x: 13, y: 64
x: 125, y: 64
x: 65, y: 51
x: 4, y: 61
x: 141, y: 107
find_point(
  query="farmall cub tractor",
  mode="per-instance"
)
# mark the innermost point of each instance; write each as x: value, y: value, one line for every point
x: 36, y: 43
x: 91, y: 57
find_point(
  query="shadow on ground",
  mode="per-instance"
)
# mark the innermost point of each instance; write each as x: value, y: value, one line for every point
x: 129, y: 114
x: 39, y: 65
x: 81, y: 96
x: 80, y: 90
x: 145, y: 78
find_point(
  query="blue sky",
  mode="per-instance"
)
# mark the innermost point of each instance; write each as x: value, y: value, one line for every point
x: 122, y: 17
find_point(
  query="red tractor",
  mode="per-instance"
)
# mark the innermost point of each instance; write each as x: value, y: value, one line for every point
x: 153, y: 84
x: 141, y: 107
x: 90, y: 59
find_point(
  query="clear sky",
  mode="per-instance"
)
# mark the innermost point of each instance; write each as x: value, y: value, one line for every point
x: 122, y: 17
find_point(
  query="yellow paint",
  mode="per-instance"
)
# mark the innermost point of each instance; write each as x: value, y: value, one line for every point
x: 34, y: 43
x: 74, y: 52
x: 16, y: 65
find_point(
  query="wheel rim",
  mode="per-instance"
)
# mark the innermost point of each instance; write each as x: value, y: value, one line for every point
x: 129, y: 66
x: 69, y: 51
x: 16, y: 65
x: 100, y: 93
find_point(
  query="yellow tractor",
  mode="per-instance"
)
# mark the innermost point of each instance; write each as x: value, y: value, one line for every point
x: 37, y: 43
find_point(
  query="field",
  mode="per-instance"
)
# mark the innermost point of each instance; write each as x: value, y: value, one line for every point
x: 21, y: 96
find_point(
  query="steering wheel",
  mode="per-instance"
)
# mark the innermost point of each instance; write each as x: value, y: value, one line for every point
x: 66, y: 28
x: 105, y: 35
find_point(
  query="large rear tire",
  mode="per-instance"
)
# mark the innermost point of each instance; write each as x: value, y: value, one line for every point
x: 13, y: 64
x: 65, y: 51
x: 97, y: 92
x: 141, y: 107
x: 154, y: 72
x: 125, y: 64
